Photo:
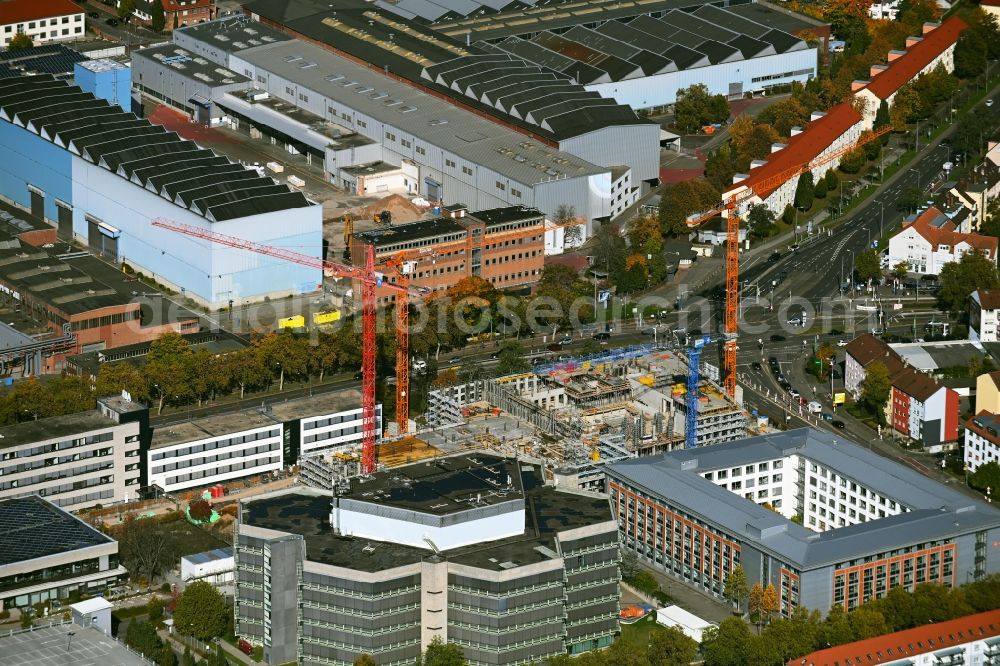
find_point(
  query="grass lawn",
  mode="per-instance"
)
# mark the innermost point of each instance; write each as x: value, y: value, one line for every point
x: 187, y: 539
x: 638, y: 633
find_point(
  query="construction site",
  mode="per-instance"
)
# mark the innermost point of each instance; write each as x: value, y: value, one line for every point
x: 573, y: 416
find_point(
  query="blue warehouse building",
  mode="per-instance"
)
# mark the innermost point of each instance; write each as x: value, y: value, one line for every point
x: 100, y: 175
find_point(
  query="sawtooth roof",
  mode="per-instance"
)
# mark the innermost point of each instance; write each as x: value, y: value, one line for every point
x: 106, y: 135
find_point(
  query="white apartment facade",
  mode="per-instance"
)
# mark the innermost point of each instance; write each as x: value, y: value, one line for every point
x: 196, y: 454
x: 982, y: 441
x: 75, y: 461
x: 984, y: 315
x: 227, y: 447
x: 932, y: 241
x: 44, y: 21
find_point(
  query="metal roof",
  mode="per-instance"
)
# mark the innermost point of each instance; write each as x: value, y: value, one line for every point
x: 934, y: 510
x: 463, y: 133
x: 190, y: 65
x: 34, y: 528
x: 108, y: 136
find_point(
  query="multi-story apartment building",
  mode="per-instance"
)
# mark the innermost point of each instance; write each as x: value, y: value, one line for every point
x: 971, y: 640
x: 984, y: 315
x: 504, y: 246
x: 42, y: 20
x: 50, y: 554
x: 226, y: 447
x: 825, y: 521
x: 982, y: 441
x: 78, y: 460
x: 472, y: 549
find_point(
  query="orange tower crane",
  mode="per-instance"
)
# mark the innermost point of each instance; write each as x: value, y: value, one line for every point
x: 402, y: 264
x: 369, y: 280
x: 741, y: 196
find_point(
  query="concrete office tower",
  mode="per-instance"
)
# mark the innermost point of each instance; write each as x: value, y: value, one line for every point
x: 473, y: 549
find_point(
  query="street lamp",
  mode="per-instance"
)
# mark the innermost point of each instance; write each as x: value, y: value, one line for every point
x: 881, y: 219
x: 918, y: 181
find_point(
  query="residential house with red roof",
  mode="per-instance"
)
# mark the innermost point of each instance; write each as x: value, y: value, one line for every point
x: 991, y: 7
x: 43, y: 20
x: 826, y: 132
x: 932, y: 240
x: 982, y: 441
x: 919, y: 407
x: 841, y: 125
x: 984, y: 315
x: 970, y: 640
x: 922, y: 54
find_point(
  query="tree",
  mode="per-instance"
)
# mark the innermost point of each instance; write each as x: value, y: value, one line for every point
x: 154, y: 609
x: 832, y: 180
x: 819, y: 191
x: 986, y: 476
x: 629, y: 563
x: 20, y: 42
x: 901, y: 270
x: 720, y: 167
x: 696, y: 107
x: 760, y: 220
x: 201, y: 611
x: 512, y: 359
x: 170, y: 369
x: 572, y: 235
x: 820, y: 363
x: 113, y: 378
x: 158, y: 19
x: 141, y: 637
x: 125, y: 9
x: 142, y: 546
x: 853, y: 161
x: 167, y: 656
x: 867, y: 265
x: 958, y: 279
x: 788, y: 215
x: 725, y: 645
x: 756, y: 604
x: 867, y: 621
x: 200, y: 510
x: 970, y: 54
x: 910, y: 198
x: 875, y: 389
x: 364, y: 659
x: 249, y: 369
x: 680, y: 200
x: 882, y: 118
x: 751, y: 140
x: 669, y: 646
x: 736, y: 588
x: 286, y: 353
x: 187, y: 659
x: 804, y: 191
x: 439, y: 653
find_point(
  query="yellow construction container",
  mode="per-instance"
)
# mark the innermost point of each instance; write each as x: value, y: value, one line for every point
x: 320, y: 318
x: 648, y: 380
x: 298, y: 321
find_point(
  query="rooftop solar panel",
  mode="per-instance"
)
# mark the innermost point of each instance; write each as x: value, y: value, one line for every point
x: 33, y: 528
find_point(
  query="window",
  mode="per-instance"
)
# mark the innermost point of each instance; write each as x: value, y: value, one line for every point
x: 501, y: 186
x: 515, y: 193
x: 467, y: 170
x: 304, y: 98
x: 390, y: 136
x: 362, y: 123
x: 420, y: 150
x: 406, y: 144
x: 450, y: 163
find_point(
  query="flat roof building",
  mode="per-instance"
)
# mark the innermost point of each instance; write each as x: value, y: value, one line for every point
x: 46, y: 553
x: 430, y: 550
x: 230, y: 446
x: 868, y: 524
x: 80, y: 460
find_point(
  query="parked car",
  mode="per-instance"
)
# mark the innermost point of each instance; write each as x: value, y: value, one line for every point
x: 567, y: 339
x: 841, y: 343
x: 827, y: 416
x: 603, y: 335
x: 112, y: 21
x: 93, y: 15
x: 419, y: 365
x: 837, y: 424
x: 777, y: 338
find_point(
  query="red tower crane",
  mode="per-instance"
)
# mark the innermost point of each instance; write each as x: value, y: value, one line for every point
x: 755, y: 189
x: 369, y: 280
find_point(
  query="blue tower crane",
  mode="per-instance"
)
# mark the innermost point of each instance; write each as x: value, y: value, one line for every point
x: 694, y: 366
